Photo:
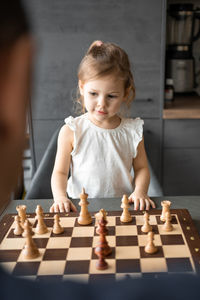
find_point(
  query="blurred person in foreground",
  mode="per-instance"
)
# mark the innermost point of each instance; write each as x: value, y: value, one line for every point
x: 16, y: 55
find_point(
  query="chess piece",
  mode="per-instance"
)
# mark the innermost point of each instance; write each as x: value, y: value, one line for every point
x: 165, y: 208
x: 150, y: 247
x: 84, y: 217
x: 101, y: 264
x: 18, y: 228
x: 21, y: 209
x: 41, y: 227
x: 102, y: 249
x: 30, y: 228
x: 167, y: 226
x: 57, y: 228
x: 101, y: 214
x: 125, y: 217
x: 102, y: 231
x: 146, y: 227
x: 30, y: 250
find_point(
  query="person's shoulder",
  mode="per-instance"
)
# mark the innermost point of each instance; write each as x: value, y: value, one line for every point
x: 66, y: 132
x: 74, y: 122
x: 133, y: 122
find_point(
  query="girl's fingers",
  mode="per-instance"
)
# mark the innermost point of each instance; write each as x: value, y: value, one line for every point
x: 136, y: 204
x: 152, y: 203
x: 51, y: 208
x: 56, y: 208
x: 141, y: 204
x: 73, y: 207
x: 61, y: 207
x: 147, y: 204
x: 130, y: 200
x: 67, y: 206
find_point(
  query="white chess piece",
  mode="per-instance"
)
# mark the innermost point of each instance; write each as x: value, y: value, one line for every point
x: 84, y: 217
x: 146, y: 227
x: 126, y: 216
x: 150, y: 247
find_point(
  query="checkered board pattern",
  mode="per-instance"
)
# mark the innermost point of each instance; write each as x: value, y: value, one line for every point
x: 70, y: 255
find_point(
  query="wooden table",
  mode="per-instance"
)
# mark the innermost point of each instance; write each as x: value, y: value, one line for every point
x: 192, y: 203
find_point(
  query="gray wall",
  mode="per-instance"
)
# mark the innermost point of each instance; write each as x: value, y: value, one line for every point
x: 65, y: 28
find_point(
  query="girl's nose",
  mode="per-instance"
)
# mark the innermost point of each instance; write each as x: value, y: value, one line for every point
x: 101, y: 101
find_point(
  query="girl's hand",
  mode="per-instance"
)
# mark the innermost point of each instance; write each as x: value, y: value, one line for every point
x: 63, y: 204
x: 141, y: 200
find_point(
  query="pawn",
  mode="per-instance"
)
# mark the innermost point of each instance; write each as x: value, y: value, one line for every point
x: 146, y: 227
x: 150, y: 247
x: 57, y: 228
x: 18, y: 228
x: 167, y: 226
x: 41, y: 227
x: 30, y: 228
x: 30, y: 250
x: 125, y: 217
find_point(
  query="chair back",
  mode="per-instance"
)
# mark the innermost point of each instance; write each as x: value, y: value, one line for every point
x: 40, y: 187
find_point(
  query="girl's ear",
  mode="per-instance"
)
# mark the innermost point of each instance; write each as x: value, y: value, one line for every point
x: 80, y: 85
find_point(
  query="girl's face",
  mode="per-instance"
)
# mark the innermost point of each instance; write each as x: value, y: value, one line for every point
x: 102, y: 98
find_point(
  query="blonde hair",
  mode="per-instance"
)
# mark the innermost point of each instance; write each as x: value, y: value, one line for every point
x: 104, y: 59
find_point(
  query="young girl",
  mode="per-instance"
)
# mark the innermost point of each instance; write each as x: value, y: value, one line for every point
x: 100, y: 147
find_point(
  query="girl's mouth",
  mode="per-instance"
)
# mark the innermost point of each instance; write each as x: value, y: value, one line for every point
x: 101, y: 112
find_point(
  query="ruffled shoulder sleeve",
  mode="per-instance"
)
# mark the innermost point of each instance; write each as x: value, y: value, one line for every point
x: 70, y: 121
x: 135, y: 128
x: 138, y: 126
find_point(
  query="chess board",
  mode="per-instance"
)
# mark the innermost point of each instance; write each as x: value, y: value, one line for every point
x: 70, y: 255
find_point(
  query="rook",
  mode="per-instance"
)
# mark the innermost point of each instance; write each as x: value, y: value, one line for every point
x: 165, y: 208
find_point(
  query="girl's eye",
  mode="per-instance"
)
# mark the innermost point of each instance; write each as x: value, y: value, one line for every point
x: 112, y: 96
x: 92, y: 93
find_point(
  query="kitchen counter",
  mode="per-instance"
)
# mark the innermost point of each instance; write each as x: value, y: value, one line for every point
x: 183, y: 107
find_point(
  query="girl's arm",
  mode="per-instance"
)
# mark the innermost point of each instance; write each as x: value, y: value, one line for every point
x: 141, y: 180
x: 61, y: 170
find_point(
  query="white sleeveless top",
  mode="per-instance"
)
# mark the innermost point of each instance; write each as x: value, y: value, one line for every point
x: 102, y: 158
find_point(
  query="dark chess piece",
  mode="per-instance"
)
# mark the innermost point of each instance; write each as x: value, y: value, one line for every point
x: 102, y: 231
x: 101, y: 264
x: 101, y: 214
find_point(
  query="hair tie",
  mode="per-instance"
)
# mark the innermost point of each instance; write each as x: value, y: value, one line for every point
x: 99, y: 43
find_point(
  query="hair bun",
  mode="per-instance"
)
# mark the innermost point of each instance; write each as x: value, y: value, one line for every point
x: 97, y: 43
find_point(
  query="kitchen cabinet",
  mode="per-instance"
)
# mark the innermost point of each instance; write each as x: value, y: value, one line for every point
x: 181, y: 149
